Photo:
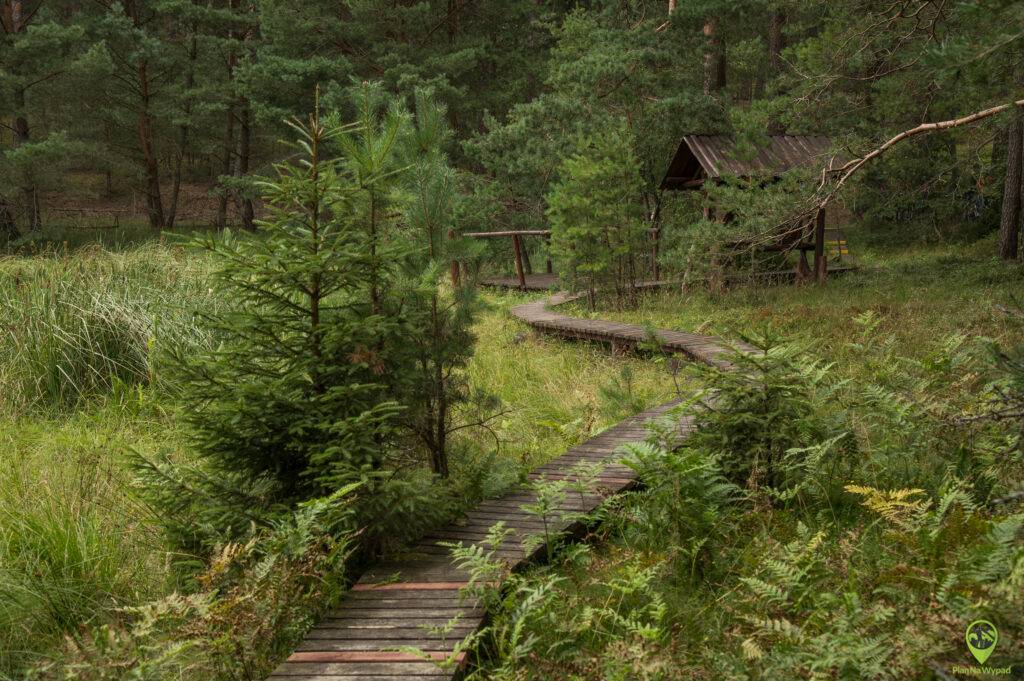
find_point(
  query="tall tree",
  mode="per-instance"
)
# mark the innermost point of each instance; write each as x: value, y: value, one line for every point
x: 714, y: 57
x: 1013, y: 190
x: 37, y: 46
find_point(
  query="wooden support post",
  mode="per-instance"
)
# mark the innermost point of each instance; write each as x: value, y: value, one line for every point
x: 803, y: 270
x: 547, y: 245
x: 655, y: 237
x: 517, y: 249
x: 716, y: 278
x: 820, y: 259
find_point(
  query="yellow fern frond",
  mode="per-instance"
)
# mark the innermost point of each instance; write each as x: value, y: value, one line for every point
x: 897, y: 506
x: 751, y: 650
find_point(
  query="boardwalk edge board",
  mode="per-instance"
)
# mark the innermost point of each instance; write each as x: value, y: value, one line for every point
x: 416, y: 602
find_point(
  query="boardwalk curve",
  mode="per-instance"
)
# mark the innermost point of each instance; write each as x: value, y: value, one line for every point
x: 411, y: 601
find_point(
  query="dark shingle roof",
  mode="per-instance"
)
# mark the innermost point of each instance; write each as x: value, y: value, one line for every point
x: 713, y: 156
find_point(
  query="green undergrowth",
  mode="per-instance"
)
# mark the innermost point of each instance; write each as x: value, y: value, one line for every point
x: 87, y: 577
x: 842, y: 511
x: 920, y: 297
x: 809, y: 528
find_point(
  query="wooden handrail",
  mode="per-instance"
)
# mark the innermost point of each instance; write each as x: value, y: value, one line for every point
x: 522, y: 232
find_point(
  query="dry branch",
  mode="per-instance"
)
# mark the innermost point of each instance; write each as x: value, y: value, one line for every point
x: 829, y: 188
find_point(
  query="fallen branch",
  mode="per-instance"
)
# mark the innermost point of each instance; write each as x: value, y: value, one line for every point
x: 824, y: 198
x: 851, y: 167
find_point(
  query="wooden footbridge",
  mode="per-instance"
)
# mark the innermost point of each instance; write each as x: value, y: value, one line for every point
x: 414, y: 600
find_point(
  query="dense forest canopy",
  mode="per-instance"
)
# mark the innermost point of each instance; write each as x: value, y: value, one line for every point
x: 152, y: 95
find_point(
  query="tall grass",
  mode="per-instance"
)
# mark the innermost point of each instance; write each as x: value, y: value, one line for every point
x: 85, y: 325
x: 80, y: 340
x: 555, y: 394
x: 74, y: 546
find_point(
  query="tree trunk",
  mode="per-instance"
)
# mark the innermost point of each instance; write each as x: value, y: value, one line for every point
x: 8, y: 228
x: 440, y: 425
x: 226, y: 166
x: 714, y: 58
x: 244, y: 152
x: 28, y: 189
x: 154, y: 201
x: 21, y: 129
x: 776, y: 41
x: 1009, y: 225
x: 183, y: 131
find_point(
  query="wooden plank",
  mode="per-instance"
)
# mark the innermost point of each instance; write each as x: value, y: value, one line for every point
x: 314, y: 644
x: 401, y: 612
x: 411, y: 586
x: 331, y: 669
x: 360, y: 656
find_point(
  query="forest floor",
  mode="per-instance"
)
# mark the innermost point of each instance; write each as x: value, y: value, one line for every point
x: 821, y: 575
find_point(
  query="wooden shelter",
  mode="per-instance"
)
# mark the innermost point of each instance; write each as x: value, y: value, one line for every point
x: 711, y: 158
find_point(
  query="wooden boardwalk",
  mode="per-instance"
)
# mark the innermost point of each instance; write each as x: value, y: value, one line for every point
x: 414, y: 599
x: 534, y: 282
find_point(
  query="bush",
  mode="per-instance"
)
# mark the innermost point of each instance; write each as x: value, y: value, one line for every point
x: 762, y: 418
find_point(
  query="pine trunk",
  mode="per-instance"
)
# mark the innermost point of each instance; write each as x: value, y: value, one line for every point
x: 16, y: 22
x: 8, y: 228
x: 1009, y: 226
x: 776, y: 41
x: 714, y: 59
x: 183, y: 130
x: 226, y: 165
x: 154, y: 201
x: 244, y: 153
x: 21, y: 137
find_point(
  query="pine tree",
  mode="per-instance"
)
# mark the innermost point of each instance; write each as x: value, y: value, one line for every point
x: 439, y: 314
x: 597, y: 229
x: 36, y: 46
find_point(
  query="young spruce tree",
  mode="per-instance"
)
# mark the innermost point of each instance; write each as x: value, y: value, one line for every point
x: 441, y: 310
x: 294, y: 391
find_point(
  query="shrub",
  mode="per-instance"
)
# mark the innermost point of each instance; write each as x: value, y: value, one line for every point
x: 762, y: 418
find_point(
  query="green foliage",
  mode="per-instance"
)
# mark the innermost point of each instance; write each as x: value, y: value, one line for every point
x: 685, y: 504
x: 293, y: 391
x: 597, y: 230
x: 759, y: 414
x: 255, y: 599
